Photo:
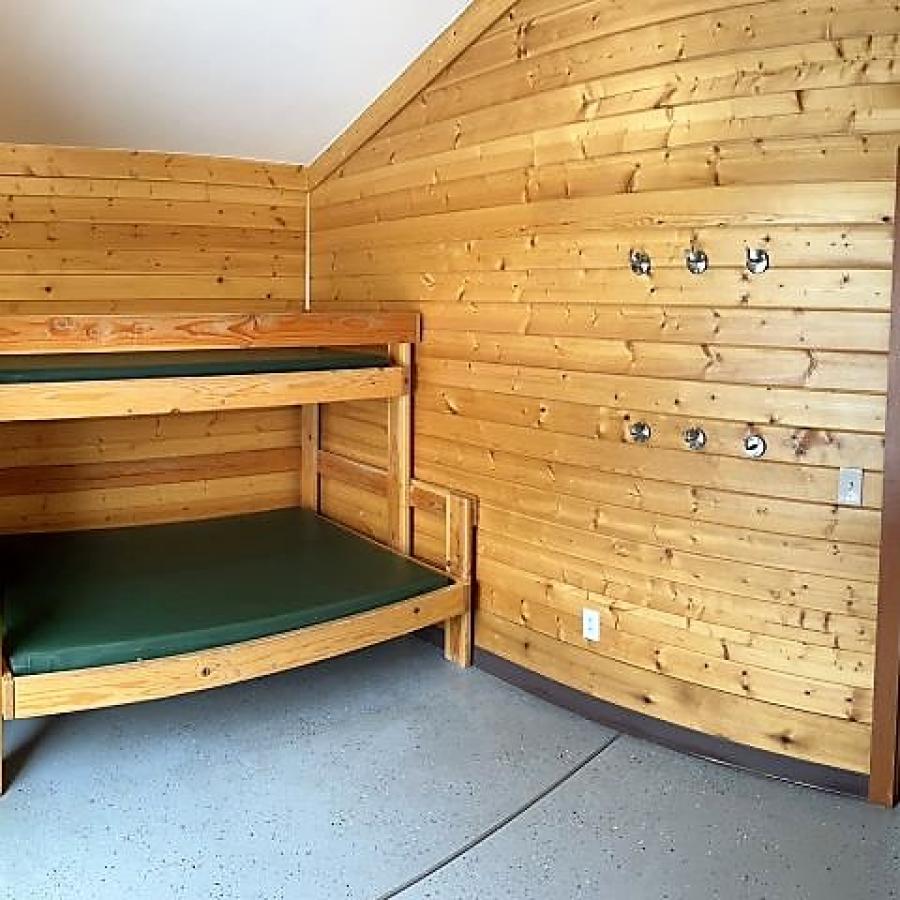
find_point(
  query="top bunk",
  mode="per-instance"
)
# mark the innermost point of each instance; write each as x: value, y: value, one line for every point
x: 72, y: 367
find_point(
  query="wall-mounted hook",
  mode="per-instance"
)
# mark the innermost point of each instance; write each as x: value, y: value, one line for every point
x: 757, y: 260
x: 696, y: 260
x: 755, y: 446
x: 640, y: 432
x: 694, y: 438
x: 640, y: 262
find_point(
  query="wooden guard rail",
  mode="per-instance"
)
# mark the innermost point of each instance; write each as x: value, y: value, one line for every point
x: 460, y: 518
x: 37, y: 335
x: 110, y: 333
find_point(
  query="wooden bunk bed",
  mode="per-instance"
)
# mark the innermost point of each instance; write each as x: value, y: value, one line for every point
x: 105, y: 617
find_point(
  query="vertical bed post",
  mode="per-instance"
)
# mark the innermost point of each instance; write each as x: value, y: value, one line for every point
x: 399, y: 468
x: 460, y: 530
x: 309, y: 456
x: 6, y: 704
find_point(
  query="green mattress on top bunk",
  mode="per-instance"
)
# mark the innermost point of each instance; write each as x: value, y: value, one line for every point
x: 54, y: 367
x: 81, y: 599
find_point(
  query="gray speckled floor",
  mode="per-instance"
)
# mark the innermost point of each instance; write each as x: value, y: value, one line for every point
x: 350, y: 778
x: 336, y: 781
x: 644, y: 823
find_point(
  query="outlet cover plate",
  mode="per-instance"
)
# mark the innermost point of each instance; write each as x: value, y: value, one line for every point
x: 850, y: 487
x: 590, y: 624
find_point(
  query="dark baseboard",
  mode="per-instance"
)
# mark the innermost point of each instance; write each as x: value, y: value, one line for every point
x: 685, y: 740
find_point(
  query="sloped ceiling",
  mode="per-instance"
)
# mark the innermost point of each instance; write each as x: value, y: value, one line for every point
x: 266, y: 79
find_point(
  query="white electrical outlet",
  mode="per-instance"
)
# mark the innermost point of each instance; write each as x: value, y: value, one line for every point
x: 590, y: 624
x: 850, y: 487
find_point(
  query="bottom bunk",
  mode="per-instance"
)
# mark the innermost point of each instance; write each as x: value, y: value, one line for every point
x: 106, y: 617
x: 77, y: 600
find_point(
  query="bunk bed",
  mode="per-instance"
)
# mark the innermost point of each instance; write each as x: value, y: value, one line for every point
x: 104, y: 617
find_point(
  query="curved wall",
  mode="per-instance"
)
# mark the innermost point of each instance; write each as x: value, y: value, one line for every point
x: 736, y: 598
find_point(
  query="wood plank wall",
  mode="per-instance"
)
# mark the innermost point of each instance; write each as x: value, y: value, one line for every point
x: 115, y: 231
x: 736, y: 597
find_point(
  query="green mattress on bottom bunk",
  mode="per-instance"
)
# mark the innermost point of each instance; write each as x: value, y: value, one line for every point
x: 80, y: 599
x: 55, y: 367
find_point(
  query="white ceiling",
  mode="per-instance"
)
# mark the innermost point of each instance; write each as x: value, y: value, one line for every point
x: 266, y: 79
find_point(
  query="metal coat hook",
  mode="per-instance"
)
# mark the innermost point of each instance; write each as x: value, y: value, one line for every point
x: 757, y: 260
x: 694, y: 438
x: 640, y: 262
x: 640, y: 432
x: 697, y: 261
x: 755, y: 446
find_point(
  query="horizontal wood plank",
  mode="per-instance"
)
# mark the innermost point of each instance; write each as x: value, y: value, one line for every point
x: 162, y: 396
x: 39, y: 160
x: 84, y: 333
x: 795, y: 733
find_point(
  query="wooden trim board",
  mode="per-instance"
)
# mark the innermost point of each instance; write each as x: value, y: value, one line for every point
x: 55, y: 401
x: 97, y: 334
x: 474, y: 21
x: 884, y: 781
x: 54, y: 161
x: 153, y: 679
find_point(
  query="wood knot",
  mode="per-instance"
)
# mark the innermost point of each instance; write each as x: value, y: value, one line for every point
x: 62, y: 324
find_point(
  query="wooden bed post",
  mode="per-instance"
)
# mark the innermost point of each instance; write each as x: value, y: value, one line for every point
x: 459, y: 510
x: 399, y: 468
x: 6, y: 705
x: 460, y: 528
x: 309, y: 456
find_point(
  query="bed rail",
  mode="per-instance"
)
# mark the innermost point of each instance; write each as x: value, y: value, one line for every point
x: 459, y: 511
x: 25, y: 334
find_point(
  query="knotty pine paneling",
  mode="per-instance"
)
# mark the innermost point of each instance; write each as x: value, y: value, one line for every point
x: 90, y: 231
x: 736, y: 597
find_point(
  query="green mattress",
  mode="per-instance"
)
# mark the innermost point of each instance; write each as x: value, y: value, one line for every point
x: 27, y: 369
x: 79, y: 599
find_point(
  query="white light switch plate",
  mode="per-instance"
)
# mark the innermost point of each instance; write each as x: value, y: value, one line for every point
x: 590, y: 624
x: 850, y: 487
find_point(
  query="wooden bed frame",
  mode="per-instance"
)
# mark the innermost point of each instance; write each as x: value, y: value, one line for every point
x: 111, y: 685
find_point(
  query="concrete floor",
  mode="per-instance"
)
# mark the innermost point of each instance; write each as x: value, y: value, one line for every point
x: 389, y: 768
